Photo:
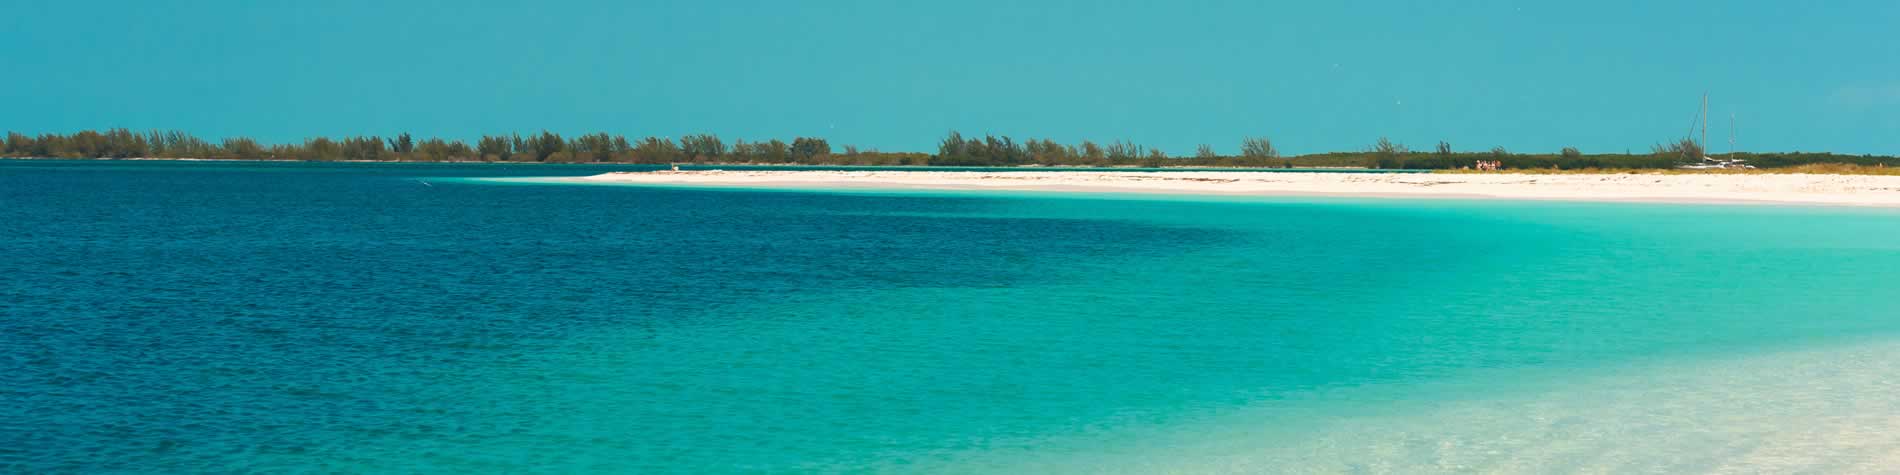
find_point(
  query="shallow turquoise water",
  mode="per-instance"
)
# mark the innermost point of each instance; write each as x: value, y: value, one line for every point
x: 165, y: 317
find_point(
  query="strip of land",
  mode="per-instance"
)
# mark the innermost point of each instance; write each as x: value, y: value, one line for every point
x: 1842, y: 190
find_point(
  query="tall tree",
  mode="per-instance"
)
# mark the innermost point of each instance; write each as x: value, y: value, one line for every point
x: 1093, y: 152
x: 402, y: 144
x: 804, y: 148
x: 702, y: 146
x: 1387, y: 154
x: 1205, y: 151
x: 494, y: 147
x: 546, y: 145
x: 243, y: 148
x: 321, y: 148
x: 1258, y: 147
x: 952, y: 147
x: 657, y: 150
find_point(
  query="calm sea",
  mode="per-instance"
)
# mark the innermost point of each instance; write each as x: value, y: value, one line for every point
x: 216, y: 317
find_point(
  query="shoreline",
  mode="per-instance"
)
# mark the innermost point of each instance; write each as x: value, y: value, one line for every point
x: 711, y: 166
x: 701, y: 165
x: 1761, y: 189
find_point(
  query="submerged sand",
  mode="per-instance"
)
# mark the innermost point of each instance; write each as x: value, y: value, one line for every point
x: 1850, y: 190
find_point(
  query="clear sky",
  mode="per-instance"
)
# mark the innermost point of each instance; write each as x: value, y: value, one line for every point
x: 1604, y: 76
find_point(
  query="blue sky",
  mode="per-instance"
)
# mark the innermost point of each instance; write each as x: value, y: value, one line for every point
x: 1603, y: 76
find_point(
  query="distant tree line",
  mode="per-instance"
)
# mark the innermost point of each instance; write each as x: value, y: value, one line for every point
x: 954, y: 149
x: 546, y: 147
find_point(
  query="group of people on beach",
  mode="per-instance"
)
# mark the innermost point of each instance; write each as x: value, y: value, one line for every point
x: 1490, y: 165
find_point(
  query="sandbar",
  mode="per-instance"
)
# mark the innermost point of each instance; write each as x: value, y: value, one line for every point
x: 1838, y: 190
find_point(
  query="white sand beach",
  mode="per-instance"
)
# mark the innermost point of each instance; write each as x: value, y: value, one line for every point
x: 1844, y: 190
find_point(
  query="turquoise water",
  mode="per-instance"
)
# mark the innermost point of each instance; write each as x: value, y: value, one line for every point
x: 168, y: 317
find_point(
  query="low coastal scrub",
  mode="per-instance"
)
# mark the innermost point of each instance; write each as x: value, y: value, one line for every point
x: 954, y: 149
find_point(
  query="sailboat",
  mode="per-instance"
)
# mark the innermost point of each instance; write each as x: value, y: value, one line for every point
x: 1708, y: 162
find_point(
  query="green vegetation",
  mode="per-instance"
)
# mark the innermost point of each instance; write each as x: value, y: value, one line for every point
x: 545, y: 147
x: 1812, y: 169
x: 954, y: 150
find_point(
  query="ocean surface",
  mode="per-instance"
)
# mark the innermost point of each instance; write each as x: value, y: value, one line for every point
x: 167, y: 317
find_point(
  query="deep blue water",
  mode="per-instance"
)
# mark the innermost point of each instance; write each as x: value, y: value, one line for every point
x: 184, y: 317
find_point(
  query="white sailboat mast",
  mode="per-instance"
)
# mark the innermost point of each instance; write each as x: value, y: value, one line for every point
x: 1705, y: 124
